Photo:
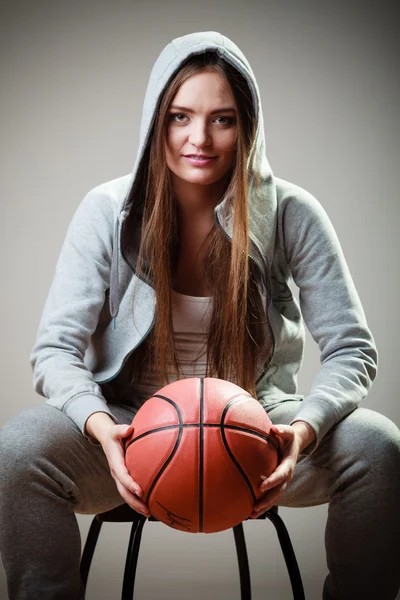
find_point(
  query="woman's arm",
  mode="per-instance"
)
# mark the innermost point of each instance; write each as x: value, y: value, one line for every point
x: 332, y: 311
x: 71, y: 312
x: 334, y: 316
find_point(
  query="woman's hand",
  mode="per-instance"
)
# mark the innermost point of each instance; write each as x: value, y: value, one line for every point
x: 111, y: 436
x: 292, y: 440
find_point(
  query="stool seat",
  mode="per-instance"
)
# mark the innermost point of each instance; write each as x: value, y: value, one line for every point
x: 126, y: 514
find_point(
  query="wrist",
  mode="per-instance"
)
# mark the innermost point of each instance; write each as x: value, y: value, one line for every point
x: 304, y: 433
x: 98, y: 425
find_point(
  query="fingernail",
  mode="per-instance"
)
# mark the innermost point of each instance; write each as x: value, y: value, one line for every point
x: 263, y: 476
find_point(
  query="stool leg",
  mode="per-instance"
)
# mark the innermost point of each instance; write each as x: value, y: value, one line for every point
x: 289, y: 555
x: 245, y: 585
x: 132, y: 558
x: 88, y: 551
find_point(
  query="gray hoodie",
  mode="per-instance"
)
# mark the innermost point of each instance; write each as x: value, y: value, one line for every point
x: 92, y: 321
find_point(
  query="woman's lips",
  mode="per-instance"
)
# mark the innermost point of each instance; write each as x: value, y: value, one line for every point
x: 200, y: 162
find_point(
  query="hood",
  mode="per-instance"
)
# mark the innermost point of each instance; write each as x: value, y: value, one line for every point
x: 262, y: 207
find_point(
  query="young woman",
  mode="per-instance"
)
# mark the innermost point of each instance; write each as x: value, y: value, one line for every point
x: 181, y: 269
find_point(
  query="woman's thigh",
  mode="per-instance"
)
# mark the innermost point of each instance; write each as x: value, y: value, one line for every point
x: 364, y: 445
x: 42, y: 445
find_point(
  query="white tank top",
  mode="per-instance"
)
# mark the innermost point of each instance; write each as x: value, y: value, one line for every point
x: 190, y: 319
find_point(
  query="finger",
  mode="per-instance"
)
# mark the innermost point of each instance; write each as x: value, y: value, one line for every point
x: 283, y: 431
x: 269, y: 497
x: 133, y: 500
x: 129, y: 429
x: 284, y: 435
x: 268, y: 501
x: 121, y: 431
x: 282, y: 473
x: 121, y: 473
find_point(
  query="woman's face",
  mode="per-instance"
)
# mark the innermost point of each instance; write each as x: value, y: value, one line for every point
x: 202, y: 122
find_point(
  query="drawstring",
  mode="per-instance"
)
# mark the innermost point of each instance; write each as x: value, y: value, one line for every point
x: 114, y: 274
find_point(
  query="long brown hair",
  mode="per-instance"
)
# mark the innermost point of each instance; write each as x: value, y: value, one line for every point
x: 239, y: 328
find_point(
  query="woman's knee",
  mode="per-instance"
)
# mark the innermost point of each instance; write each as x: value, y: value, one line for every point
x: 34, y: 433
x: 370, y: 437
x: 376, y: 429
x: 43, y: 452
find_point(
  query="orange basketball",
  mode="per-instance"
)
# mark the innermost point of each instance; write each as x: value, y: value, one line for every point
x: 198, y: 451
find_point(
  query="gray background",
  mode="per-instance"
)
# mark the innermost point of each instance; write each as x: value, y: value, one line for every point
x: 73, y: 77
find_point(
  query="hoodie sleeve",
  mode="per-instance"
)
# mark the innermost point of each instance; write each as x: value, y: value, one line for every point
x: 333, y: 314
x: 71, y: 312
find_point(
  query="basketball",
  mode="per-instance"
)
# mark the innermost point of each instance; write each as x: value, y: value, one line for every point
x: 198, y: 450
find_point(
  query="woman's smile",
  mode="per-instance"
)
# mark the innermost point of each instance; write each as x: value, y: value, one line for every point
x: 198, y: 161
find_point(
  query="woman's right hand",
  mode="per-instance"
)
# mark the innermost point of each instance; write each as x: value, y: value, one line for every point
x: 111, y: 437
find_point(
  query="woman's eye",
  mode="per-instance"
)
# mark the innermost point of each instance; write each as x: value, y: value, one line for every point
x: 177, y: 117
x: 226, y: 120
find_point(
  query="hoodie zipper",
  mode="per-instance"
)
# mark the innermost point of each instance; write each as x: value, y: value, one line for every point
x: 255, y: 261
x: 149, y: 328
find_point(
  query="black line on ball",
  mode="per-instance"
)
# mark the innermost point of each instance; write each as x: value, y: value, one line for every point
x: 185, y: 425
x: 177, y: 442
x: 201, y: 464
x: 229, y: 451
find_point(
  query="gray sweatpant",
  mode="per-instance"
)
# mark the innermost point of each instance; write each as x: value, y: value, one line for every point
x: 49, y: 471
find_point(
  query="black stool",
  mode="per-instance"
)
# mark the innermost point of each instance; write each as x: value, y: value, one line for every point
x: 125, y: 514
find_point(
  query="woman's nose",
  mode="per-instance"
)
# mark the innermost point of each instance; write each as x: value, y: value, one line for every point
x: 199, y: 133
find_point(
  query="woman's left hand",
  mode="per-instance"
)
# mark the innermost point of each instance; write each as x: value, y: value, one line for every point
x: 292, y: 440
